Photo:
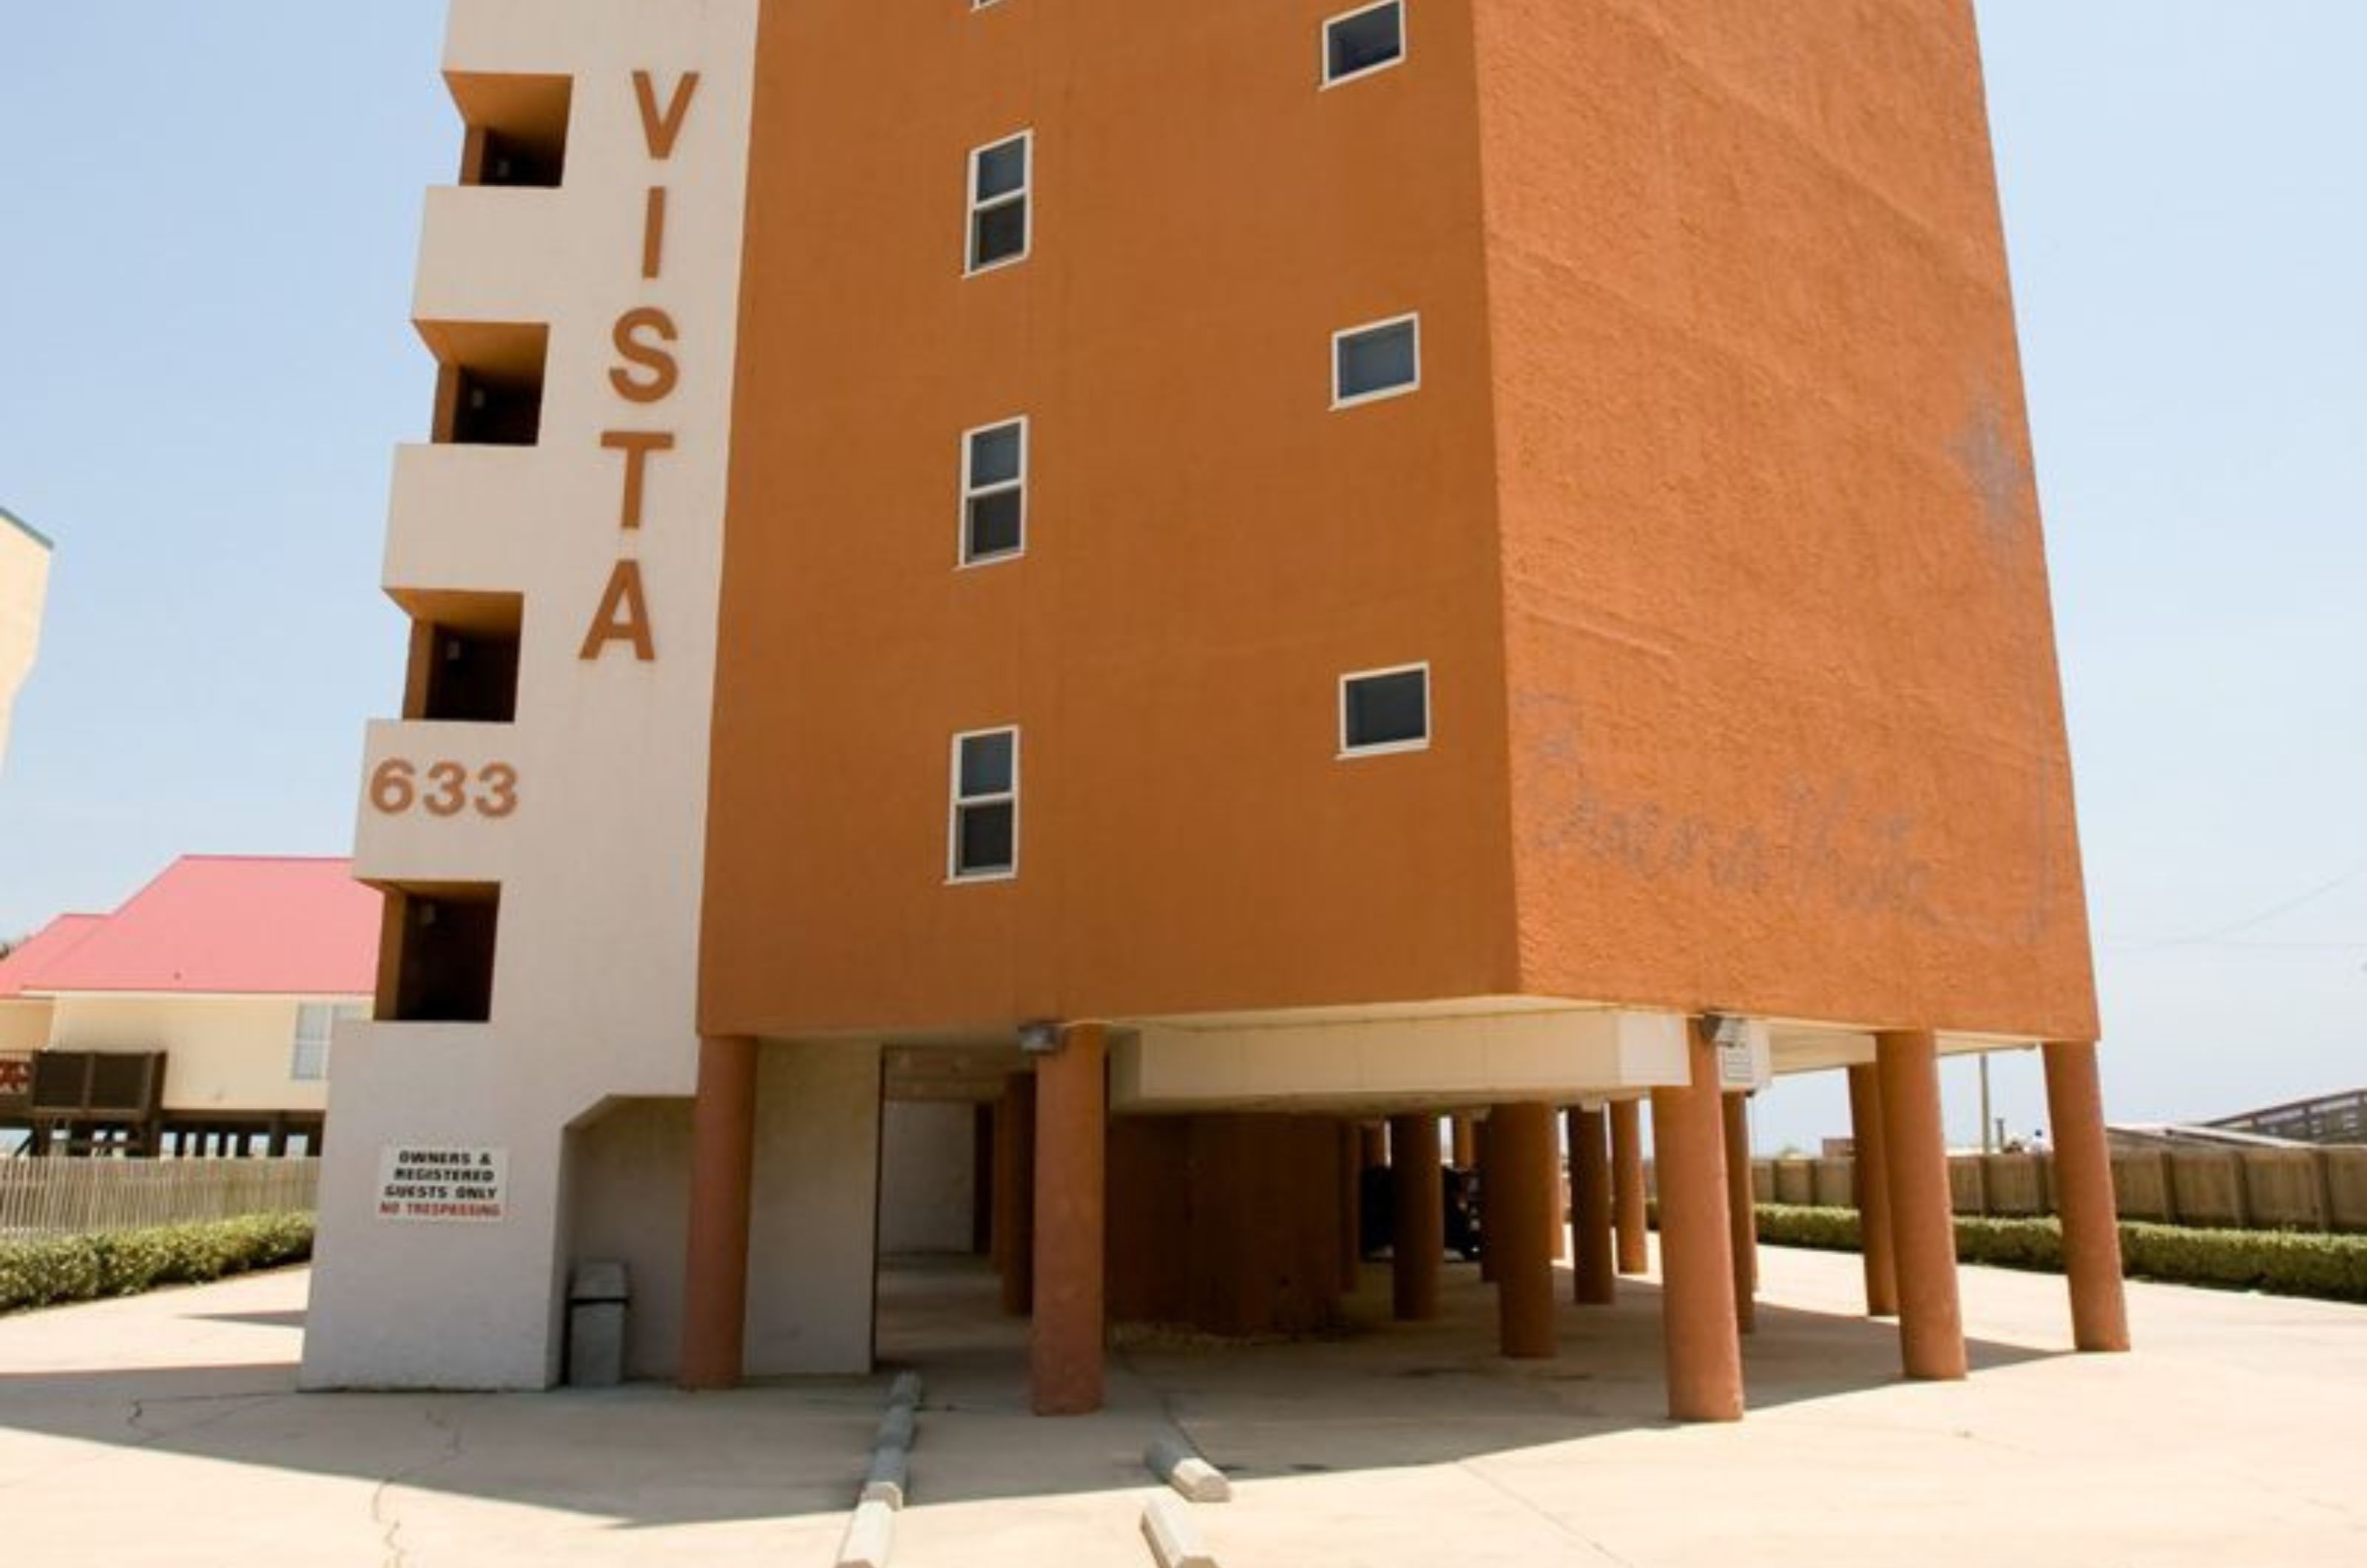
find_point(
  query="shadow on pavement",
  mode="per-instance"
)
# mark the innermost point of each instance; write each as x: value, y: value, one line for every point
x: 1377, y: 1394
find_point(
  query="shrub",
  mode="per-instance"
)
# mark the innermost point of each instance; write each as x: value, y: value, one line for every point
x: 2285, y: 1263
x: 51, y: 1269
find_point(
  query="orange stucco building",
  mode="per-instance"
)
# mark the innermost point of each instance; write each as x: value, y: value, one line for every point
x: 1198, y: 584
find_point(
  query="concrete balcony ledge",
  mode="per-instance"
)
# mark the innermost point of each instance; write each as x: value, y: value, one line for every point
x: 467, y: 519
x: 440, y: 803
x: 489, y: 253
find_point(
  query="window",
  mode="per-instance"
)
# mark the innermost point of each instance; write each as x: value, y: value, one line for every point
x: 309, y: 1062
x: 1385, y: 710
x: 998, y: 201
x: 1380, y: 360
x: 1363, y: 41
x: 985, y: 836
x: 994, y: 491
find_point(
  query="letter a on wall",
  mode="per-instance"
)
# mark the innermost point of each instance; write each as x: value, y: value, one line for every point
x: 623, y: 616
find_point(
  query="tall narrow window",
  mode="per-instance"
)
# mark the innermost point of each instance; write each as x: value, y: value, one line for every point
x: 315, y: 1022
x: 985, y: 833
x: 1362, y: 41
x: 994, y: 491
x: 1385, y: 710
x: 999, y: 176
x: 1381, y: 359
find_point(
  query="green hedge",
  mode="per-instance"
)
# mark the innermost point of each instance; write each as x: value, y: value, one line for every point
x: 2284, y: 1263
x: 51, y: 1269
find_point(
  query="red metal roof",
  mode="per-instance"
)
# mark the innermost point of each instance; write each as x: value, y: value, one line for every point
x: 43, y: 947
x: 216, y: 924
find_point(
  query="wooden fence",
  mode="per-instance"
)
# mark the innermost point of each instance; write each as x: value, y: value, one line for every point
x: 2322, y: 1189
x: 82, y: 1197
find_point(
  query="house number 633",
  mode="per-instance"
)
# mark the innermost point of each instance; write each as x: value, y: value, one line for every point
x: 443, y: 789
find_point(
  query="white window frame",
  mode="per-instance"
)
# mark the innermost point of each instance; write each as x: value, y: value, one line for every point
x: 972, y: 207
x: 1323, y: 43
x: 970, y: 492
x: 956, y: 800
x: 1410, y: 317
x: 1389, y: 748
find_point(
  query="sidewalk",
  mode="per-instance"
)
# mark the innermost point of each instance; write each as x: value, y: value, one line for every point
x: 165, y: 1429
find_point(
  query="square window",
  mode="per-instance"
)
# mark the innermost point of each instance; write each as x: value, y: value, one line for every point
x: 988, y: 835
x: 995, y: 524
x: 998, y: 177
x: 986, y: 763
x: 994, y: 491
x: 1385, y: 710
x: 984, y: 833
x: 1382, y: 360
x: 1364, y: 41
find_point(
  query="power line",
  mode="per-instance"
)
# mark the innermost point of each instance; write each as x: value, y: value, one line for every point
x: 2211, y: 937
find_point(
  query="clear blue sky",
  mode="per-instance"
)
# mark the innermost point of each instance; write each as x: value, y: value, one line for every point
x: 204, y: 282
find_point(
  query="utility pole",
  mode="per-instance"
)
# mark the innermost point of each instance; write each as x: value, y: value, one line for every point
x: 1987, y: 1126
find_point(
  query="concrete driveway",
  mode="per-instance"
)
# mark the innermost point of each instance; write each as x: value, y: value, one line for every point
x: 165, y: 1429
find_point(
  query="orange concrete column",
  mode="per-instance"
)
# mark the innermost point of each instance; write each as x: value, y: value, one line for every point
x: 1352, y: 1208
x: 1015, y: 1192
x: 1871, y: 1177
x: 1596, y: 1276
x: 1520, y: 1148
x: 1741, y: 1212
x: 1703, y: 1345
x: 1466, y: 1141
x: 1483, y: 1161
x: 1627, y: 1198
x: 1418, y: 1244
x: 714, y: 1266
x: 1922, y: 1221
x: 1064, y: 1342
x: 2083, y: 1195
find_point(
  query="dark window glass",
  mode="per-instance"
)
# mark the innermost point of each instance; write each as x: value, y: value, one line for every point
x: 1389, y: 710
x: 1363, y: 40
x: 994, y: 457
x: 986, y: 765
x: 986, y: 838
x: 1001, y: 169
x: 1376, y: 360
x: 999, y: 233
x: 994, y: 524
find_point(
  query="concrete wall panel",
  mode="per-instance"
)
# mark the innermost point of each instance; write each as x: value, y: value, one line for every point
x: 810, y: 1266
x: 925, y: 1172
x: 1785, y: 727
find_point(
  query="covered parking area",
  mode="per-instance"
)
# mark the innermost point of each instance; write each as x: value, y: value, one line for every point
x: 1209, y: 1174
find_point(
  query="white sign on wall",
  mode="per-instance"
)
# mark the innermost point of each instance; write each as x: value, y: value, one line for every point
x: 1735, y: 1069
x: 1746, y: 1057
x: 435, y: 1181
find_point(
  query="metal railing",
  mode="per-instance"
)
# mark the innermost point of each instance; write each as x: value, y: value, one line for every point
x: 84, y: 1197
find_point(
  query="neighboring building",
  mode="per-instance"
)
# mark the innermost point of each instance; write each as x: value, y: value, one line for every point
x: 195, y: 1019
x: 1203, y: 584
x: 24, y: 588
x: 2325, y: 1119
